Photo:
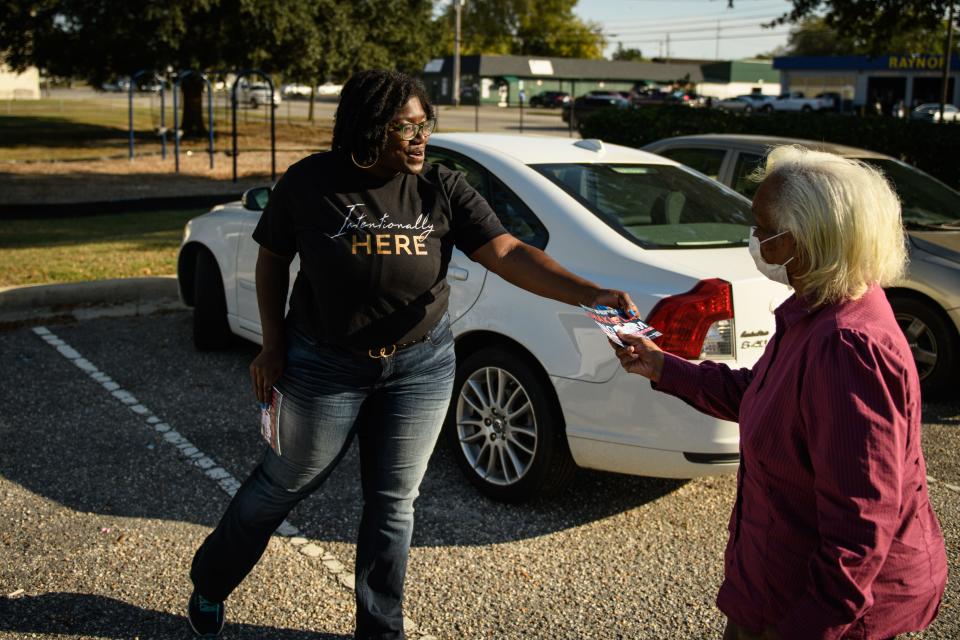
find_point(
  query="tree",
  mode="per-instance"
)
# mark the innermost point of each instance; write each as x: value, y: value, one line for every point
x: 634, y: 55
x: 523, y: 27
x: 877, y: 26
x: 300, y: 39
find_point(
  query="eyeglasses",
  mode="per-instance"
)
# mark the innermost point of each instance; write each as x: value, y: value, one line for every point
x: 409, y: 131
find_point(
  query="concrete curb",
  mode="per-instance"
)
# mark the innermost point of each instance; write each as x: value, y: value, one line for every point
x: 84, y: 300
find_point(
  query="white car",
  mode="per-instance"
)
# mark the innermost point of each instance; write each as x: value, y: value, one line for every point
x: 256, y: 94
x: 538, y: 372
x: 747, y: 103
x: 796, y: 101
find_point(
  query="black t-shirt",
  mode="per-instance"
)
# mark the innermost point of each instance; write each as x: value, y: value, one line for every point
x: 373, y: 252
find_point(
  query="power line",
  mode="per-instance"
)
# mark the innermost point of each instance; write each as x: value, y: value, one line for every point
x: 707, y: 27
x: 689, y: 23
x: 759, y: 13
x: 713, y: 37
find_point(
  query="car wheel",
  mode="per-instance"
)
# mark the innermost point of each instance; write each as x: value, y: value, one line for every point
x: 748, y: 109
x: 767, y: 109
x: 932, y: 340
x: 505, y: 428
x: 806, y: 108
x: 254, y: 103
x: 210, y: 327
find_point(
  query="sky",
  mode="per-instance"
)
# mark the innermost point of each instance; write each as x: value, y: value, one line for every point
x: 692, y: 26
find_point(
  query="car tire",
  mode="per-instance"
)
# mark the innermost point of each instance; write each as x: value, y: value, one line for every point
x: 767, y: 109
x: 210, y: 327
x: 806, y: 108
x: 748, y: 109
x: 505, y: 428
x: 933, y: 342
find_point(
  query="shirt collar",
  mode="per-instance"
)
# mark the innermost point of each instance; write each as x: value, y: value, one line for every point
x: 792, y: 310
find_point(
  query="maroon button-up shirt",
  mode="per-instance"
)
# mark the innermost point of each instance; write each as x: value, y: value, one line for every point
x: 832, y: 534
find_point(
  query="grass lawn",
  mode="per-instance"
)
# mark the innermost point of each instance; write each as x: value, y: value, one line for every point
x: 57, y: 129
x: 91, y: 248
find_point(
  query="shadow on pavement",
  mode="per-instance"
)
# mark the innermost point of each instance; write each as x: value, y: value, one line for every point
x: 79, y: 614
x: 76, y: 445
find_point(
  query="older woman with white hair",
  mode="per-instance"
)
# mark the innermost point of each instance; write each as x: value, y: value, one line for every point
x: 832, y: 534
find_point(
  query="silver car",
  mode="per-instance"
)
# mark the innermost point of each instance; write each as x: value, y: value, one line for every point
x: 927, y: 302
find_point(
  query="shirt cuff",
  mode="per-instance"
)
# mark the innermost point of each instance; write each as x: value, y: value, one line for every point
x: 678, y: 377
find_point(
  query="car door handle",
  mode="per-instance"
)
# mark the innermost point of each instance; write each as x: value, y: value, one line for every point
x: 458, y: 273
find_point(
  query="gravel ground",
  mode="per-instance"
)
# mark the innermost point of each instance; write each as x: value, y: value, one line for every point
x: 613, y: 557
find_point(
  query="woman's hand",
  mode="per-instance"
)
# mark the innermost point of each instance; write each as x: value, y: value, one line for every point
x: 640, y: 356
x: 615, y: 300
x: 265, y: 370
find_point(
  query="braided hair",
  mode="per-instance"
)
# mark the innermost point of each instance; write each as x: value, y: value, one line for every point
x: 368, y: 102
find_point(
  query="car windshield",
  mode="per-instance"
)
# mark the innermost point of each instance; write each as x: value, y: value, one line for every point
x: 924, y: 199
x: 657, y: 206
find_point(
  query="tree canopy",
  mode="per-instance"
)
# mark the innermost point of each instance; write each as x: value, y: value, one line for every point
x: 814, y: 37
x: 300, y: 39
x: 522, y: 27
x: 875, y: 26
x: 630, y: 53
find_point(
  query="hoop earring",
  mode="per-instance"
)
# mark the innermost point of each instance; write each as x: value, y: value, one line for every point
x: 354, y: 160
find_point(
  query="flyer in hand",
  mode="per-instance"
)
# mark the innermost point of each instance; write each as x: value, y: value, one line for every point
x: 270, y: 421
x: 613, y: 322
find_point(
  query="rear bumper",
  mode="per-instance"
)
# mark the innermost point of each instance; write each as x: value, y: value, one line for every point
x: 623, y: 425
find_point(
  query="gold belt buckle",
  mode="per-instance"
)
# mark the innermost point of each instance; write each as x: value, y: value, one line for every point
x: 383, y: 352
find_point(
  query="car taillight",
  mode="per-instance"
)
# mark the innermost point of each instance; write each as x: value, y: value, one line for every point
x: 697, y: 324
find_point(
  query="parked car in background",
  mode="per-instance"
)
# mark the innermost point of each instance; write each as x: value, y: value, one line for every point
x: 550, y: 99
x: 116, y: 85
x: 329, y: 89
x: 687, y: 99
x: 747, y: 103
x: 538, y: 390
x: 797, y: 101
x: 295, y: 91
x: 585, y: 105
x: 256, y: 94
x: 648, y: 96
x: 930, y: 112
x: 927, y: 302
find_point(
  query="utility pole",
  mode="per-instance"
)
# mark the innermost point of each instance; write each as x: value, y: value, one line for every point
x: 668, y: 48
x: 947, y: 58
x: 457, y: 7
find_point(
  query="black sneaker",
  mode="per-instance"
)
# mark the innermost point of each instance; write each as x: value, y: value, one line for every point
x: 206, y: 618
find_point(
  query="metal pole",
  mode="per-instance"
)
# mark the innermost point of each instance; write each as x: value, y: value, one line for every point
x: 233, y: 108
x: 273, y: 136
x: 457, y: 6
x: 176, y: 127
x: 130, y: 109
x: 209, y: 113
x: 947, y: 58
x: 521, y: 112
x: 573, y: 103
x: 476, y: 109
x: 163, y: 120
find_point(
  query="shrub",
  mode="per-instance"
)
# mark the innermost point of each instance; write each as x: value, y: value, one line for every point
x: 926, y: 145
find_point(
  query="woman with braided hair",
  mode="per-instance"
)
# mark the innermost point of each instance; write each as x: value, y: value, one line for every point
x: 366, y: 348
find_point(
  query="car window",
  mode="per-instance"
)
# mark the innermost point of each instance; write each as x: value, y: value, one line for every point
x: 657, y: 206
x: 746, y: 164
x: 515, y: 216
x: 706, y: 161
x: 923, y: 198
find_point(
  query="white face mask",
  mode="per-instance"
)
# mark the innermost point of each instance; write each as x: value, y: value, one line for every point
x: 776, y: 272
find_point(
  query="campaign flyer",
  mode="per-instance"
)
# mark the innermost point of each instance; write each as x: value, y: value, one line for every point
x: 270, y: 421
x: 612, y: 323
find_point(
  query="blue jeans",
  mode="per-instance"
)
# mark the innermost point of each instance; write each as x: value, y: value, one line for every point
x: 396, y: 407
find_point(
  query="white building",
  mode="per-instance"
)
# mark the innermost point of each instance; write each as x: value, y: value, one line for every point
x: 19, y: 86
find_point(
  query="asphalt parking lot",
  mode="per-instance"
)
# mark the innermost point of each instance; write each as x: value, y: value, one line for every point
x: 119, y: 442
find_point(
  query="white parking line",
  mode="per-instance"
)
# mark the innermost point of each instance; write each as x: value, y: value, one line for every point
x: 198, y: 458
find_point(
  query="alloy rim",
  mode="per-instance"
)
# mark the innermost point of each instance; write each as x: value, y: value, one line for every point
x: 923, y: 344
x: 496, y: 426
